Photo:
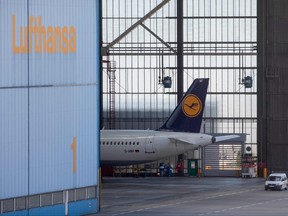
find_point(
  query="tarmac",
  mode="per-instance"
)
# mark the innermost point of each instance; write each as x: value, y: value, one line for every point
x: 199, y: 196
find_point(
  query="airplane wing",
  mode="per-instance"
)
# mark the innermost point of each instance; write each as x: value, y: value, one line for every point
x: 225, y: 137
x: 192, y: 138
x: 183, y: 140
x: 205, y: 137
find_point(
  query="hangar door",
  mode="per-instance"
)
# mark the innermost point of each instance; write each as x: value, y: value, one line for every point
x: 222, y: 159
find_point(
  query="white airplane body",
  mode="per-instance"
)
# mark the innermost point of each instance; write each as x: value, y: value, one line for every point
x: 179, y: 134
x: 125, y: 147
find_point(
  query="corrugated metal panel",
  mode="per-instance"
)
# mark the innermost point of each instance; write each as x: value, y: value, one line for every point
x: 13, y: 68
x: 222, y: 159
x: 13, y: 107
x: 13, y: 142
x: 57, y: 115
x: 273, y: 89
x: 49, y: 96
x: 77, y: 65
x: 67, y: 108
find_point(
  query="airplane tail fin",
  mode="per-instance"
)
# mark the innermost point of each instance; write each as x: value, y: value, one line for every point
x: 187, y: 116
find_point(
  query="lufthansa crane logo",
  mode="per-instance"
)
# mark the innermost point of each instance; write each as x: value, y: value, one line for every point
x: 191, y: 105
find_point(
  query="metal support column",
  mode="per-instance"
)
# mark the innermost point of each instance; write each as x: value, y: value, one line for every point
x: 179, y: 52
x: 179, y: 49
x: 262, y: 95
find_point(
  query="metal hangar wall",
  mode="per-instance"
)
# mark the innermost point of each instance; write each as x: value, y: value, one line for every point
x: 49, y: 110
x: 272, y: 84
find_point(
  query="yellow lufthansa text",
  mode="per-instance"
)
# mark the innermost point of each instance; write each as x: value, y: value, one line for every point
x: 40, y: 39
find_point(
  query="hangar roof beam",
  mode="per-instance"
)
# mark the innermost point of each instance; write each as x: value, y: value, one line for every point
x: 120, y: 37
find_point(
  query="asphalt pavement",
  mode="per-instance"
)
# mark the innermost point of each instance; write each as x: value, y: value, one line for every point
x: 213, y: 196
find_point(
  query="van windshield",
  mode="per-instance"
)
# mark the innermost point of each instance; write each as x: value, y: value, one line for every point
x: 274, y: 178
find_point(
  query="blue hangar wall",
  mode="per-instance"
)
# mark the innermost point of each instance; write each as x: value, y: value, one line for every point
x: 49, y: 107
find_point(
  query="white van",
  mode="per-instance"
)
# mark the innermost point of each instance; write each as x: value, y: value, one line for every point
x: 276, y: 181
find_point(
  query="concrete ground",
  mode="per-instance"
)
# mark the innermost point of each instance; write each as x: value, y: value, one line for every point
x: 213, y: 196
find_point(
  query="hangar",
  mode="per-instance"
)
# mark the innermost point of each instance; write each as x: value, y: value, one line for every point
x: 151, y: 51
x: 146, y: 44
x: 239, y: 45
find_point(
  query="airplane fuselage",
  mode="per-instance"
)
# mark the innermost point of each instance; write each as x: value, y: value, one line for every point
x: 126, y: 147
x: 179, y: 134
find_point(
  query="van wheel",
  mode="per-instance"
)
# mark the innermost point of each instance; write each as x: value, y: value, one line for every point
x: 285, y: 188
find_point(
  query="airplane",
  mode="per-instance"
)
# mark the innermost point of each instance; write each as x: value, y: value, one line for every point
x: 179, y: 134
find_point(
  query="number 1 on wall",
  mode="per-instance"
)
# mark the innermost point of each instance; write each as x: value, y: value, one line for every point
x: 74, y: 150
